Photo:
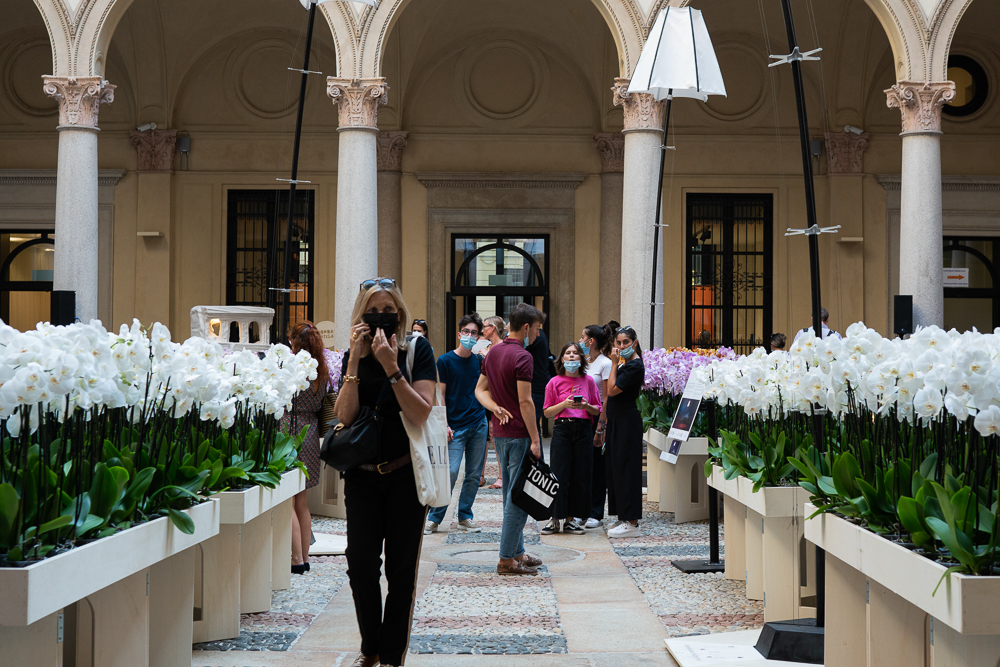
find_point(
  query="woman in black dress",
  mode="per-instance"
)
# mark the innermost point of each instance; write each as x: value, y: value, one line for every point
x: 624, y: 434
x: 306, y: 406
x: 380, y: 496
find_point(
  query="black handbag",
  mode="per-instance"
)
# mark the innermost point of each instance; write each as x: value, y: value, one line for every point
x: 535, y: 488
x: 347, y: 447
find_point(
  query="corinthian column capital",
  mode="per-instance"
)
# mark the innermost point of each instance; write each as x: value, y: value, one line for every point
x: 642, y: 112
x: 358, y: 101
x: 154, y: 148
x: 845, y: 151
x: 920, y: 104
x: 612, y: 148
x: 389, y: 147
x: 79, y: 98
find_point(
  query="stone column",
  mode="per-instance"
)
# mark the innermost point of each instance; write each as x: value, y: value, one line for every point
x: 357, y: 192
x: 390, y: 205
x: 844, y: 157
x: 612, y: 148
x: 154, y: 167
x: 76, y: 186
x: 643, y: 135
x: 920, y: 247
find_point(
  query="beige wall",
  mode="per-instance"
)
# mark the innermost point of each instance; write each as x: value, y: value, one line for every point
x: 501, y: 88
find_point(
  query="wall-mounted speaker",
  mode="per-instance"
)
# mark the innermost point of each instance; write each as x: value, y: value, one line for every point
x: 902, y: 314
x: 63, y: 307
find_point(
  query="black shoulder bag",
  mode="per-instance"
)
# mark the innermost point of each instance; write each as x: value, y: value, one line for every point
x: 347, y: 447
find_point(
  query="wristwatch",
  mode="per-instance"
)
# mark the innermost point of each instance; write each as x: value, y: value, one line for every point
x: 395, y: 377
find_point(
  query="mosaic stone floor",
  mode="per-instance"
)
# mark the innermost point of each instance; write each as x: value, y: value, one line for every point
x: 687, y: 604
x: 466, y: 608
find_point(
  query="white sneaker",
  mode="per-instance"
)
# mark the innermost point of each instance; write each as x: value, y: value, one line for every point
x: 592, y: 523
x: 431, y: 527
x: 624, y: 529
x: 468, y: 526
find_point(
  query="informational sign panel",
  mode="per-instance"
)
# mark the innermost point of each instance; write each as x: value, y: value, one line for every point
x: 956, y: 277
x: 673, y: 451
x: 686, y: 413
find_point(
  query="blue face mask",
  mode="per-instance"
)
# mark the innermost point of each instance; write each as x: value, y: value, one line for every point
x: 468, y: 342
x: 526, y: 343
x: 626, y: 352
x: 571, y: 366
x: 586, y: 349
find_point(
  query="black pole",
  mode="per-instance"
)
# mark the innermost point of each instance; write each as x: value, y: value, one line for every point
x: 656, y: 222
x: 286, y: 282
x: 713, y: 495
x: 817, y: 323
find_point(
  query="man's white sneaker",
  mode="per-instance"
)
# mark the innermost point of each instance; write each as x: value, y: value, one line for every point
x: 592, y: 523
x: 468, y: 526
x: 624, y: 529
x: 431, y: 527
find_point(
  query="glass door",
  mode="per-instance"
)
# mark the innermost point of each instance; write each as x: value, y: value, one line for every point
x: 492, y: 274
x: 26, y: 267
x: 972, y: 289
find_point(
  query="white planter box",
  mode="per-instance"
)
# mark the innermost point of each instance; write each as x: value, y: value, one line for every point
x: 245, y: 561
x: 327, y: 497
x: 34, y: 592
x: 773, y: 541
x: 965, y: 603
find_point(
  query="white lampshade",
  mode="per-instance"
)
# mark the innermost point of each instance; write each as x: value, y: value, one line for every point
x: 678, y: 56
x: 306, y: 3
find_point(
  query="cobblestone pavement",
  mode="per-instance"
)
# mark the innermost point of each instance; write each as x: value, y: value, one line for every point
x: 688, y: 604
x: 466, y: 608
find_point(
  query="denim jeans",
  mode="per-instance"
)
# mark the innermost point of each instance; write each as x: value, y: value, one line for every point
x: 471, y: 442
x: 510, y: 455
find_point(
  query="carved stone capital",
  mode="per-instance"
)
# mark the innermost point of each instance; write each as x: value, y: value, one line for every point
x: 642, y: 112
x: 612, y: 147
x: 155, y: 149
x: 79, y: 98
x: 920, y: 104
x: 358, y: 100
x: 389, y: 146
x: 844, y: 152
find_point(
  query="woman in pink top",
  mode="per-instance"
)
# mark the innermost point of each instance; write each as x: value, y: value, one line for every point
x: 573, y: 399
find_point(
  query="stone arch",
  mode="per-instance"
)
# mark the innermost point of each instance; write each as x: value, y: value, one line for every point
x: 920, y: 33
x: 360, y: 34
x: 80, y: 36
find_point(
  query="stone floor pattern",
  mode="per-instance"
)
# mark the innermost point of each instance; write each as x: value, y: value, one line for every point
x: 610, y: 601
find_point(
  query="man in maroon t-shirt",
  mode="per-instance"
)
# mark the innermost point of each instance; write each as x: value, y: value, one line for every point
x: 505, y: 390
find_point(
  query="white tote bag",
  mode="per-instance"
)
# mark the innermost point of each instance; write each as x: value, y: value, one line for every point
x: 429, y: 452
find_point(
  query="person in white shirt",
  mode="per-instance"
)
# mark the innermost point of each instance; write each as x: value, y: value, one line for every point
x: 596, y: 341
x: 824, y: 315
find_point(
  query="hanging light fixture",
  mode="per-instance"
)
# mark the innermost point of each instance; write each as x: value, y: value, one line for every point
x: 678, y: 60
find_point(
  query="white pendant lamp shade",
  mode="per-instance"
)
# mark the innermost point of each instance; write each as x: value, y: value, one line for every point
x: 678, y: 56
x: 306, y: 3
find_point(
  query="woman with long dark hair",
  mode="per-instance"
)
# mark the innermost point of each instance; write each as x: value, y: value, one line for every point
x: 384, y: 512
x: 306, y: 407
x: 596, y: 344
x: 624, y: 436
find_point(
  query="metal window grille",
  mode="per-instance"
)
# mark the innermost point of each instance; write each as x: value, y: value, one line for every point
x: 730, y: 258
x: 255, y: 251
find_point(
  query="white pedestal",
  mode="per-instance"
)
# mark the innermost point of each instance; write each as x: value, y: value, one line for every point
x: 171, y: 600
x: 327, y: 497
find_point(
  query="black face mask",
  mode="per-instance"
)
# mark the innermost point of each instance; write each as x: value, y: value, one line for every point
x: 387, y: 322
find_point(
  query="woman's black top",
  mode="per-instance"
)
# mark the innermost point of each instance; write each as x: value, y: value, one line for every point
x: 393, y: 441
x: 630, y: 377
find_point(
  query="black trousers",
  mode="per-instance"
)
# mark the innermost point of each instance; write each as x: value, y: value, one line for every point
x: 623, y: 458
x: 599, y: 484
x: 571, y: 463
x: 383, y: 509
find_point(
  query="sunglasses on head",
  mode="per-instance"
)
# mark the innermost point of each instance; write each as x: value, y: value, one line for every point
x: 420, y: 322
x: 624, y: 329
x: 384, y: 283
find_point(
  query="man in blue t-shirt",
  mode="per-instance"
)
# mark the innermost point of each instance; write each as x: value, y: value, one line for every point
x: 458, y: 373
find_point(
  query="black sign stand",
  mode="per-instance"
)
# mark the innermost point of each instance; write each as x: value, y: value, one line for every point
x: 713, y: 564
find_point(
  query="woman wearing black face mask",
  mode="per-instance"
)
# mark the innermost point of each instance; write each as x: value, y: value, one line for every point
x: 380, y: 496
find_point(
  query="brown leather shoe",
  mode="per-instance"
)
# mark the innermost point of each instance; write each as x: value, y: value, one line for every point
x: 516, y: 568
x: 365, y: 661
x: 530, y: 561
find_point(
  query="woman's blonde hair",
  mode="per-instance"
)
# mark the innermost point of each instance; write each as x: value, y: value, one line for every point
x: 361, y: 305
x: 497, y: 323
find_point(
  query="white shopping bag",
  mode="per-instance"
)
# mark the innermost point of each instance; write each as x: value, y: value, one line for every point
x: 429, y: 451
